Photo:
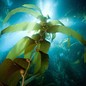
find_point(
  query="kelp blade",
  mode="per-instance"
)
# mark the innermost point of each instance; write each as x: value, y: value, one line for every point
x: 36, y: 37
x: 55, y: 22
x: 21, y: 62
x: 67, y: 31
x: 29, y: 51
x: 7, y: 69
x: 14, y: 79
x: 25, y: 26
x: 44, y: 47
x: 37, y: 27
x: 10, y: 71
x: 36, y: 62
x: 32, y: 6
x: 44, y: 62
x: 21, y: 9
x: 18, y: 49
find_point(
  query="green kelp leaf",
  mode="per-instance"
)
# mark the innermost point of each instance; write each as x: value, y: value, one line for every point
x: 25, y: 26
x: 36, y: 62
x: 44, y: 62
x: 21, y: 9
x: 7, y: 69
x: 42, y: 18
x: 55, y: 22
x: 45, y: 45
x: 36, y: 37
x: 29, y: 51
x: 29, y: 48
x: 37, y: 27
x: 67, y: 31
x: 32, y: 6
x: 18, y: 49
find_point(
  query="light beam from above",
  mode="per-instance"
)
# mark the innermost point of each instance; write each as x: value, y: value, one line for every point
x: 47, y: 7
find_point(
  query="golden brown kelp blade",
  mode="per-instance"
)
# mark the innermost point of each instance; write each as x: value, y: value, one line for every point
x: 10, y: 71
x: 21, y: 62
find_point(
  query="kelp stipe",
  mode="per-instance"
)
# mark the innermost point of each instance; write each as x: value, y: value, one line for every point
x: 34, y: 48
x: 23, y: 73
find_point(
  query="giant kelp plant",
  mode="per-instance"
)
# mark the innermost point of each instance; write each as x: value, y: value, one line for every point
x: 21, y: 71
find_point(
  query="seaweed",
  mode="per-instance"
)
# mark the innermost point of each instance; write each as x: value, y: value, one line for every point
x: 35, y: 48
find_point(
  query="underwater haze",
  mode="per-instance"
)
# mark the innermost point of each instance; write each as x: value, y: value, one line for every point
x: 66, y: 65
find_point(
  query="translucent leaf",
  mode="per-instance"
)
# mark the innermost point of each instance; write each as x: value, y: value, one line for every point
x: 7, y: 69
x: 36, y: 62
x: 29, y: 51
x: 37, y: 27
x: 67, y: 31
x: 55, y: 22
x: 21, y: 9
x: 32, y: 6
x: 34, y: 56
x: 19, y: 48
x: 44, y: 62
x: 20, y: 27
x: 35, y: 37
x: 45, y: 45
x: 42, y: 18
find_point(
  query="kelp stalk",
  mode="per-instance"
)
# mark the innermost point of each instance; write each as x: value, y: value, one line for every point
x: 23, y: 74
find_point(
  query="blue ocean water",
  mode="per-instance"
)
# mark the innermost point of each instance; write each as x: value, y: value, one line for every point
x: 64, y: 67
